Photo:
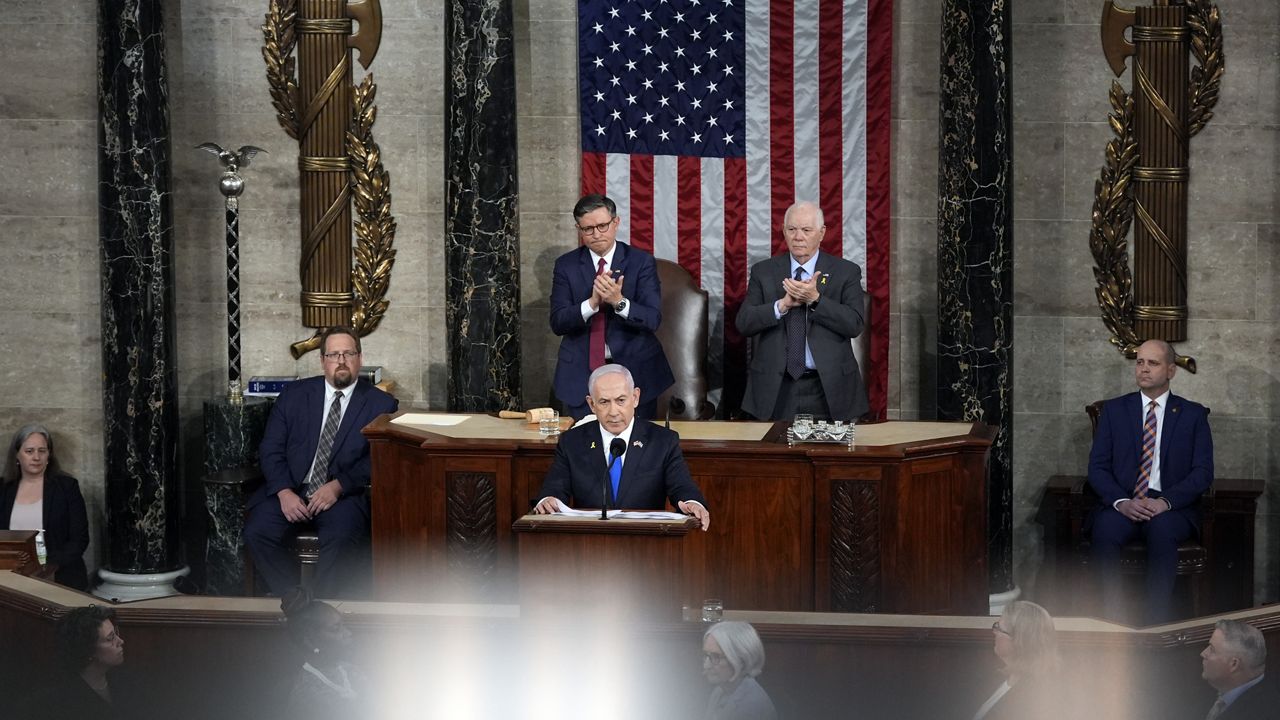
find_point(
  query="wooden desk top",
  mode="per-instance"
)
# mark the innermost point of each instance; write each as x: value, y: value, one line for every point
x: 456, y: 426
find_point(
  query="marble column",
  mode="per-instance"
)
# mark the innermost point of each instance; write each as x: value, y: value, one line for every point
x: 232, y: 433
x: 482, y: 248
x: 975, y: 248
x: 135, y: 226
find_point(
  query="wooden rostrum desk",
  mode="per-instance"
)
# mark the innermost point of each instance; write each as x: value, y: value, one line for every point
x: 898, y: 524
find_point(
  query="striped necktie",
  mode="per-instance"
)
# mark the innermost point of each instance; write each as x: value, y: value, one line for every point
x: 795, y: 323
x: 319, y: 474
x: 1148, y: 452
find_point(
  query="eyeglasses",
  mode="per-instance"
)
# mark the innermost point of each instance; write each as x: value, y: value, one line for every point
x: 344, y: 355
x: 714, y: 658
x: 996, y: 626
x: 600, y: 229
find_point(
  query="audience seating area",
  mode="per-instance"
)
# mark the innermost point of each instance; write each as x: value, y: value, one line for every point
x: 226, y: 657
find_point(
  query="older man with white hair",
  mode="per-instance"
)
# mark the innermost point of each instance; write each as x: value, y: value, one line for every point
x: 1234, y: 663
x: 802, y: 309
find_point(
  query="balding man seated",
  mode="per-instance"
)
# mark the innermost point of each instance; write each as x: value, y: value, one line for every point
x: 1152, y: 459
x: 1234, y: 663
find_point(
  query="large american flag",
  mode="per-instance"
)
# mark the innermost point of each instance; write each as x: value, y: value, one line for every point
x: 705, y: 119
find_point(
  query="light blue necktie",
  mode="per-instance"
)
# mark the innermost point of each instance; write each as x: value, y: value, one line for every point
x: 615, y: 474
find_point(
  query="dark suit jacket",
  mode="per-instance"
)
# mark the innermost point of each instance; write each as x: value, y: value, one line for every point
x: 293, y: 431
x: 1186, y: 453
x: 1260, y: 702
x: 66, y: 527
x: 653, y: 469
x: 832, y: 325
x: 70, y: 697
x: 631, y: 340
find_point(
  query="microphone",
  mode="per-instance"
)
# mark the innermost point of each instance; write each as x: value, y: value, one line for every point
x: 676, y: 405
x: 616, y: 449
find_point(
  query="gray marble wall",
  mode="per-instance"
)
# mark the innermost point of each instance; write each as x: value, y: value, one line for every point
x: 1062, y: 360
x: 49, y: 284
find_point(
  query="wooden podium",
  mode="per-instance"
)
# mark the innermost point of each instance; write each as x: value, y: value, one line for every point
x: 618, y: 568
x: 896, y: 524
x: 18, y: 552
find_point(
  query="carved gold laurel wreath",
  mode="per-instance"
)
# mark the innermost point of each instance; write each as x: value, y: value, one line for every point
x: 376, y: 228
x: 371, y: 184
x: 279, y: 41
x: 1206, y: 77
x: 1112, y: 193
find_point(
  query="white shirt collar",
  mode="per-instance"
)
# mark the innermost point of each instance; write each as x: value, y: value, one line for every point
x: 1162, y: 402
x: 347, y: 391
x: 607, y: 437
x: 608, y: 257
x: 809, y: 265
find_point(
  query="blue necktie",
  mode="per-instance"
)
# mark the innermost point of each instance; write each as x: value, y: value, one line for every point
x: 615, y: 474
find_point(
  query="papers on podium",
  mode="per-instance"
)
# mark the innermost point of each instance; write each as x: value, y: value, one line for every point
x: 563, y: 509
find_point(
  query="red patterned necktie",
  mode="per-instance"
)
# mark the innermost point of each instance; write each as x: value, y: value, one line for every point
x: 596, y: 353
x: 1148, y: 452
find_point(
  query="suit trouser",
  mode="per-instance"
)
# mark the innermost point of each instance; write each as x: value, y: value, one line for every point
x: 801, y: 395
x: 1162, y: 535
x: 342, y: 569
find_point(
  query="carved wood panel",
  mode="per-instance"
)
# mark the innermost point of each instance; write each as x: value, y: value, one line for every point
x: 855, y: 546
x: 471, y: 527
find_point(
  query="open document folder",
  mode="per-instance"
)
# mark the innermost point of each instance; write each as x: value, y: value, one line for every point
x: 562, y: 509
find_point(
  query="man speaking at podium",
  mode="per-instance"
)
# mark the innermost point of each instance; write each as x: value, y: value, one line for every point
x: 649, y: 469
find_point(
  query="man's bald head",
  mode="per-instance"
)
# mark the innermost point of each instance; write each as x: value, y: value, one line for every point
x: 1155, y: 367
x: 1161, y: 346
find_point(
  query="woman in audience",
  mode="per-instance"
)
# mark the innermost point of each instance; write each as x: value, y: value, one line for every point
x: 1027, y: 643
x: 732, y: 658
x: 36, y: 495
x: 88, y: 648
x: 327, y: 685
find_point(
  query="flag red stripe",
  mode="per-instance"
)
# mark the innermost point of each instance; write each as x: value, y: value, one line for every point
x: 592, y: 173
x: 689, y: 215
x: 641, y: 213
x: 831, y: 123
x: 735, y: 277
x: 782, y: 125
x: 879, y: 92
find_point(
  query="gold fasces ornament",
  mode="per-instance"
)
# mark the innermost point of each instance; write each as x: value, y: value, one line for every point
x: 307, y: 47
x: 1144, y: 177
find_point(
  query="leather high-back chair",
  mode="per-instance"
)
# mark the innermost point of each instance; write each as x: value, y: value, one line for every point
x: 683, y: 335
x: 862, y: 343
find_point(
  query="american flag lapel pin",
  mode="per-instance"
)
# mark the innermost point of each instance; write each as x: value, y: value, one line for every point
x: 636, y: 443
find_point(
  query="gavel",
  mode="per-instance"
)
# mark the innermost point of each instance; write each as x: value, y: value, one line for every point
x: 531, y: 415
